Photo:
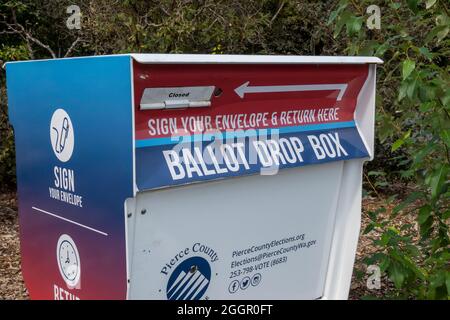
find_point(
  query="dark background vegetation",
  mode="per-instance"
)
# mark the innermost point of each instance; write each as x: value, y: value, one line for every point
x: 410, y: 173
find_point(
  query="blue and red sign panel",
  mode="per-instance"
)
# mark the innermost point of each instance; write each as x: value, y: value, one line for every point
x: 261, y: 118
x: 73, y: 134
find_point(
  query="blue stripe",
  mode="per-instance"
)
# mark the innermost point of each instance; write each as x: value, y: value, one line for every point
x: 239, y: 134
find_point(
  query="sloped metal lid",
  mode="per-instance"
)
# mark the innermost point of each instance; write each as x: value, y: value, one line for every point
x: 249, y: 59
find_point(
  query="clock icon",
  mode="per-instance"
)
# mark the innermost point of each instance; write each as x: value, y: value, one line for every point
x: 68, y: 260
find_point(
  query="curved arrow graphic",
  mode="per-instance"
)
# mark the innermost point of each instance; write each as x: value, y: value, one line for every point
x: 245, y: 88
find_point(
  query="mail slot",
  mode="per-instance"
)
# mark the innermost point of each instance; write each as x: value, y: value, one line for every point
x: 188, y: 177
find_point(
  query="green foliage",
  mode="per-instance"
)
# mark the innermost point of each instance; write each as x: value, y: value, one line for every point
x: 7, y: 150
x: 413, y: 117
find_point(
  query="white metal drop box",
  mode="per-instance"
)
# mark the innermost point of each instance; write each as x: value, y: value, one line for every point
x: 151, y: 176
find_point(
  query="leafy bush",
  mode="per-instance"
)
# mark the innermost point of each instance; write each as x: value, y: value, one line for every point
x: 413, y: 117
x: 7, y: 150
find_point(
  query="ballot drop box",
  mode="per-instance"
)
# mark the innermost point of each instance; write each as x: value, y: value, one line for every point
x: 187, y: 177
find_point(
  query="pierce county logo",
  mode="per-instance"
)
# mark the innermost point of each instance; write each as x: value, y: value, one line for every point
x: 190, y: 280
x: 62, y: 135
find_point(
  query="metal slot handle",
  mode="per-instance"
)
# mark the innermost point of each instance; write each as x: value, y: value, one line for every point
x: 176, y: 98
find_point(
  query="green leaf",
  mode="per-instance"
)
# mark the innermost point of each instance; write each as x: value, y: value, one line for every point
x: 335, y: 13
x: 385, y: 237
x: 382, y: 49
x: 447, y: 282
x: 368, y: 48
x: 445, y: 136
x: 427, y: 106
x: 424, y: 214
x: 407, y: 134
x: 446, y: 215
x: 407, y: 67
x: 438, y: 279
x: 426, y: 93
x: 341, y: 22
x: 426, y: 53
x: 445, y: 99
x: 369, y: 228
x: 413, y: 250
x: 430, y: 3
x: 439, y: 32
x: 402, y: 91
x: 396, y: 274
x: 426, y: 228
x: 372, y: 215
x: 397, y: 144
x: 354, y: 25
x: 385, y: 262
x: 421, y: 154
x: 412, y: 86
x: 437, y: 181
x: 413, y: 5
x: 410, y: 199
x: 408, y: 264
x: 381, y: 184
x: 376, y: 173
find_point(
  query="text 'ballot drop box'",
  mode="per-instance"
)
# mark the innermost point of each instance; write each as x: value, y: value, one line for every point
x: 189, y: 177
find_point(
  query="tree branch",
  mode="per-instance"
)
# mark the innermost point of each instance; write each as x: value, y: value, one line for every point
x: 19, y: 29
x: 278, y: 12
x: 72, y: 46
x: 29, y: 37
